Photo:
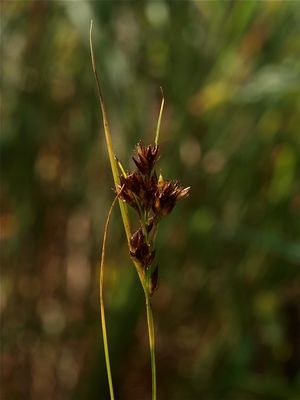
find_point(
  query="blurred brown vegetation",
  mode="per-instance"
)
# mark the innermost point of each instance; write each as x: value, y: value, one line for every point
x: 227, y: 310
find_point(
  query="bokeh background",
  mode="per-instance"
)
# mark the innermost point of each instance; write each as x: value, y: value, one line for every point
x: 227, y: 309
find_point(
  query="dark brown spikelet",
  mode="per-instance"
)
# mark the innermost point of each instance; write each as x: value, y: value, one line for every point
x: 138, y: 191
x: 167, y: 195
x: 141, y: 250
x: 146, y: 158
x: 147, y: 194
x: 130, y: 188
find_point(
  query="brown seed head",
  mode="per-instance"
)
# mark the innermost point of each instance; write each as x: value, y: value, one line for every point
x: 141, y: 250
x: 138, y: 190
x: 167, y: 195
x: 146, y: 158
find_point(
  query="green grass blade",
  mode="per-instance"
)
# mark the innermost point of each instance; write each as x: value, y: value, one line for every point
x: 159, y: 117
x: 113, y: 162
x: 112, y: 158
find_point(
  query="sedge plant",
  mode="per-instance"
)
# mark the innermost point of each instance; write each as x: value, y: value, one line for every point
x: 153, y: 198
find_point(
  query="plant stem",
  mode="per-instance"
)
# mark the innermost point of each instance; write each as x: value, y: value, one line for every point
x: 101, y: 298
x: 151, y: 334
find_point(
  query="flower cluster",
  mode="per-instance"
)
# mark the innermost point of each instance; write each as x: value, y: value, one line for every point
x: 153, y: 198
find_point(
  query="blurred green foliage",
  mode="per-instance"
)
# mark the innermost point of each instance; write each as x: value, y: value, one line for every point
x: 227, y: 310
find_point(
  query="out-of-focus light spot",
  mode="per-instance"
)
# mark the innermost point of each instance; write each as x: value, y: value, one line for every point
x: 269, y: 83
x: 52, y: 316
x: 47, y: 167
x: 213, y: 161
x: 13, y: 51
x: 157, y: 52
x: 265, y: 304
x: 78, y: 274
x: 190, y: 152
x: 119, y: 67
x: 67, y: 369
x: 126, y: 29
x: 202, y: 221
x: 80, y: 16
x: 79, y: 226
x: 157, y: 13
x: 211, y: 96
